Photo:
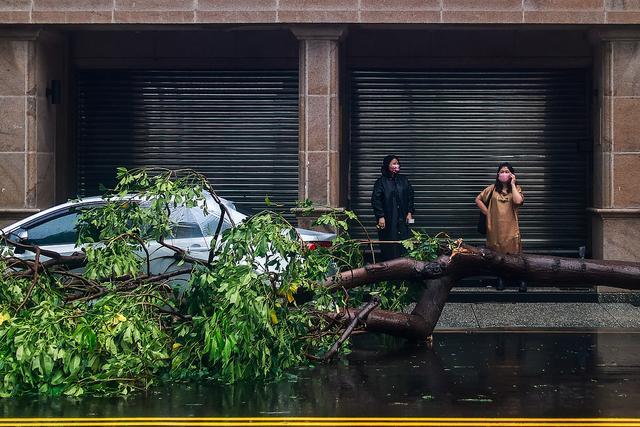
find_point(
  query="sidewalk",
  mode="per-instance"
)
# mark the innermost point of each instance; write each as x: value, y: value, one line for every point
x: 538, y: 315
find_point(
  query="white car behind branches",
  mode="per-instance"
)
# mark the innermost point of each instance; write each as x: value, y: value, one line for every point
x: 55, y: 230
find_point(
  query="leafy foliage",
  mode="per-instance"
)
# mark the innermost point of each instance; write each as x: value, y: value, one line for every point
x: 426, y: 248
x: 396, y: 296
x: 114, y: 345
x: 252, y: 310
x: 247, y: 322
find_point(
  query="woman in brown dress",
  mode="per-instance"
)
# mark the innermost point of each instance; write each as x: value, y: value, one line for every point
x: 500, y: 203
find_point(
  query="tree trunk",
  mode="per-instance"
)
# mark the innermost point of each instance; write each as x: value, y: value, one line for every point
x: 439, y: 276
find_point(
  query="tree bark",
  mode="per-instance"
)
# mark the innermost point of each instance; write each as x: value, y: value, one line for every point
x: 439, y: 276
x: 471, y: 261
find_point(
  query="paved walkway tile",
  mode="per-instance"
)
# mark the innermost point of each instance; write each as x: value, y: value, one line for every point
x: 544, y: 315
x: 537, y: 315
x: 457, y: 315
x: 627, y: 315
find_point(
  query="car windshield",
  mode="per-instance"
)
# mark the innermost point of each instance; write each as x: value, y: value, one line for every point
x: 192, y: 222
x: 59, y: 230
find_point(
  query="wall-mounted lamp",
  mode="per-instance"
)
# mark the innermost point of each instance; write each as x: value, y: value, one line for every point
x: 54, y: 92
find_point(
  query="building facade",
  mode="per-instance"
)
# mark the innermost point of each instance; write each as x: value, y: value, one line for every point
x: 301, y: 99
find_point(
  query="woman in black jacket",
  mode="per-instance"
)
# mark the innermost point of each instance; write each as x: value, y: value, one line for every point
x: 392, y: 202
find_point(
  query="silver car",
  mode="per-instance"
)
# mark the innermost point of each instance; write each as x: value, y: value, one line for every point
x: 54, y: 229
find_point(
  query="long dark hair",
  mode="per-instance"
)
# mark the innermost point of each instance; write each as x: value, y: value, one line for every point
x: 499, y: 184
x: 384, y: 169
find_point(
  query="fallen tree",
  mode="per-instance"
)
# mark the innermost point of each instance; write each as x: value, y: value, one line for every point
x: 439, y: 276
x: 104, y: 321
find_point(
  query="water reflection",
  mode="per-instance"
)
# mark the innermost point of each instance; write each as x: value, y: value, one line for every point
x: 481, y: 374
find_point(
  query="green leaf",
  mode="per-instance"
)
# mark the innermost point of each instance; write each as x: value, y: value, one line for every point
x: 111, y: 346
x: 20, y: 353
x: 74, y: 391
x: 234, y: 297
x: 75, y: 364
x: 90, y: 339
x: 58, y: 377
x: 126, y: 337
x: 35, y: 364
x: 47, y: 364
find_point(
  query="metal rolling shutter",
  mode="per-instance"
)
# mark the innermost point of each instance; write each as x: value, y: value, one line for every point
x: 452, y: 128
x: 238, y: 128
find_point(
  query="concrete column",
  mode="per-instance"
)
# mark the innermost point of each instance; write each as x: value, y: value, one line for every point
x: 17, y: 124
x: 320, y: 139
x: 29, y: 60
x: 616, y: 178
x: 616, y: 154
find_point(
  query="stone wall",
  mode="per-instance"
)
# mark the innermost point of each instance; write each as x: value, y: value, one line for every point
x: 36, y: 148
x: 616, y: 207
x: 320, y: 11
x: 28, y: 123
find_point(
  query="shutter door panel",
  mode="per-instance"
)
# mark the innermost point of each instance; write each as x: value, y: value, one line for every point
x: 452, y: 129
x: 238, y: 128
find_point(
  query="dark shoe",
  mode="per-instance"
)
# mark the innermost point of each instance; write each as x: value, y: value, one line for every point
x: 522, y: 287
x: 500, y: 285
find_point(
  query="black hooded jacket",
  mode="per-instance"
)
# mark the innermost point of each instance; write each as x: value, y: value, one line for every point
x: 392, y: 198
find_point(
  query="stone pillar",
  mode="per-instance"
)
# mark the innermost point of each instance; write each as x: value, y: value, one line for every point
x: 17, y: 124
x: 28, y: 62
x: 616, y: 177
x: 320, y: 138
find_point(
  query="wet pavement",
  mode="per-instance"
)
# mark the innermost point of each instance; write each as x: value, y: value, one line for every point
x: 477, y: 373
x: 539, y: 315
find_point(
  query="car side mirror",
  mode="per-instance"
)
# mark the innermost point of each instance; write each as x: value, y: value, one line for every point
x: 19, y: 235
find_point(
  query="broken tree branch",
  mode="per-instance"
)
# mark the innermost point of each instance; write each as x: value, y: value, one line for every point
x: 357, y: 319
x: 34, y: 281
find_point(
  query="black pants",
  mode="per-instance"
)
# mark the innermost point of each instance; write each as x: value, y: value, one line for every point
x: 388, y: 251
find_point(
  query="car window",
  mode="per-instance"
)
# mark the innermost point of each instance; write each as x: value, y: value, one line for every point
x: 212, y: 223
x: 59, y: 230
x: 189, y: 230
x: 186, y: 230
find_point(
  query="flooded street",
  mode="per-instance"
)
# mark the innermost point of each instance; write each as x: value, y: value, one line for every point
x: 490, y: 374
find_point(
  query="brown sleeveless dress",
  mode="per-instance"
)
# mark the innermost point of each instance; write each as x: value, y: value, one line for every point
x: 503, y: 230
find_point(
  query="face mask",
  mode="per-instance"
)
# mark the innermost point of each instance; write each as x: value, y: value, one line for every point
x: 504, y: 177
x: 395, y: 168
